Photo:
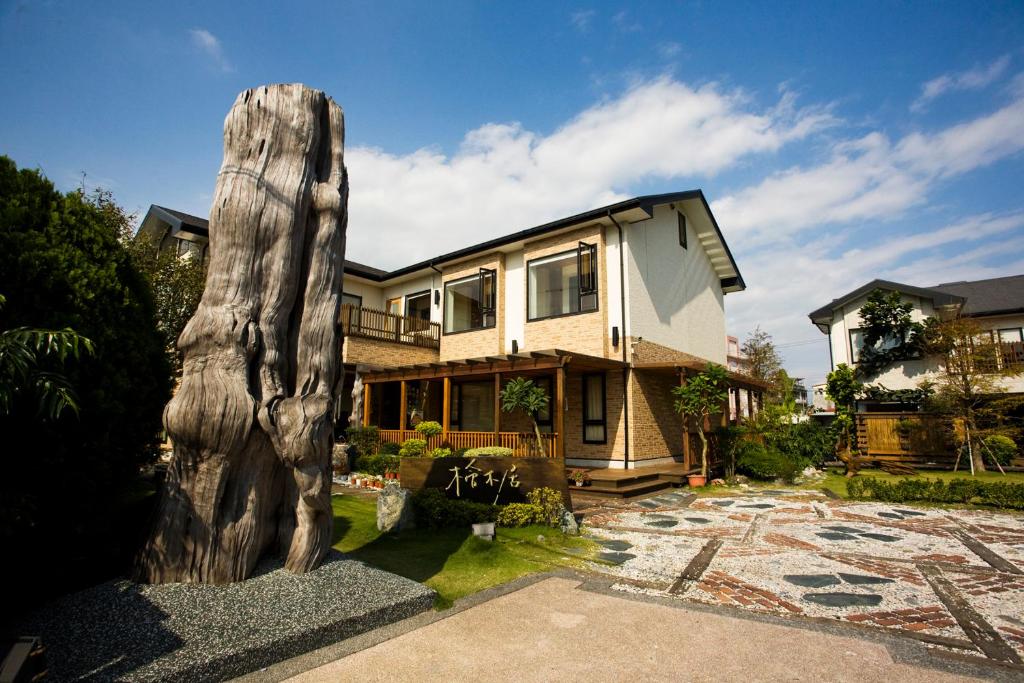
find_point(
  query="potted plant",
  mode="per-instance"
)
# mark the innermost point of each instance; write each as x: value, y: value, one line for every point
x: 580, y: 477
x: 698, y: 398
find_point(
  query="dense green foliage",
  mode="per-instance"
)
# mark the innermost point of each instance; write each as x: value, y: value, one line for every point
x: 429, y: 428
x: 890, y: 335
x: 1000, y: 449
x: 520, y: 514
x: 962, y: 491
x: 377, y: 464
x: 389, y: 448
x: 413, y: 448
x: 489, y: 451
x: 764, y: 462
x: 364, y: 440
x: 441, y: 452
x: 700, y: 397
x: 63, y: 265
x: 435, y: 510
x: 550, y: 503
x: 807, y: 444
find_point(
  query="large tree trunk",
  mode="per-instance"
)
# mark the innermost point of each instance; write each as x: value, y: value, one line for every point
x: 252, y: 421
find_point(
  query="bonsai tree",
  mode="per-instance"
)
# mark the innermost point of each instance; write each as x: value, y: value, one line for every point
x: 522, y: 394
x: 842, y: 388
x: 699, y: 398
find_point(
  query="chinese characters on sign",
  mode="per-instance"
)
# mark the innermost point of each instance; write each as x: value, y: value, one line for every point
x: 472, y: 476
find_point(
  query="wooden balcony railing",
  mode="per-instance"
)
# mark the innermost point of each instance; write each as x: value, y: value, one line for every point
x: 359, y: 321
x: 523, y: 444
x: 998, y: 357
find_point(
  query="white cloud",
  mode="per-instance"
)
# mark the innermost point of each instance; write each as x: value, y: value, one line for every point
x: 210, y: 45
x: 870, y: 177
x: 669, y: 50
x: 972, y: 79
x: 505, y: 178
x: 581, y: 19
x: 623, y: 22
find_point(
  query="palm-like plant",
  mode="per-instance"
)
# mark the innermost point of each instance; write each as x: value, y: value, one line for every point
x: 699, y: 398
x: 21, y: 351
x: 522, y: 394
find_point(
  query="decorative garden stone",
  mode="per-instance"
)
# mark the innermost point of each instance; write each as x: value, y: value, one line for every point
x: 568, y: 523
x: 252, y: 421
x: 394, y: 509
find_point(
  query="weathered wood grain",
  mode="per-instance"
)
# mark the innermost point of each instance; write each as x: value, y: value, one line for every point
x: 253, y: 418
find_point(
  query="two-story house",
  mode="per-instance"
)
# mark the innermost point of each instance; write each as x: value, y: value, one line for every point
x: 607, y: 310
x: 997, y: 305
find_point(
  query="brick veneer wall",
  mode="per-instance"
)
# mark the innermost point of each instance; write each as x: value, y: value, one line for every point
x: 582, y: 332
x: 574, y: 446
x: 656, y: 429
x: 385, y: 353
x: 644, y: 351
x: 486, y: 342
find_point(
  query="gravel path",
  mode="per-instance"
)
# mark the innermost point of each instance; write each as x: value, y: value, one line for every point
x: 184, y: 632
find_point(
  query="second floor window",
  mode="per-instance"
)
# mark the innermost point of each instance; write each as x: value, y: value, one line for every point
x: 562, y: 284
x: 470, y: 302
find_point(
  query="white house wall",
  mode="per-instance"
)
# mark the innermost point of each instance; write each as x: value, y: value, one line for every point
x: 372, y: 295
x: 675, y: 297
x: 515, y: 299
x: 612, y: 280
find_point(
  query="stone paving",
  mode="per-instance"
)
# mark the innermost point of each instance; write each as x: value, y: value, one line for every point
x: 953, y: 579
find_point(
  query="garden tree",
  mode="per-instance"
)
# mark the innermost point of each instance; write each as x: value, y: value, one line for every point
x: 522, y: 394
x: 971, y: 377
x: 842, y: 389
x: 889, y: 333
x: 62, y: 266
x: 253, y: 418
x: 765, y: 362
x: 700, y: 397
x: 23, y: 352
x: 177, y: 284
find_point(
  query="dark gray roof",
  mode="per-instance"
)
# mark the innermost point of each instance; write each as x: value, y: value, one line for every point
x: 188, y: 219
x: 644, y: 202
x: 988, y: 297
x: 938, y: 298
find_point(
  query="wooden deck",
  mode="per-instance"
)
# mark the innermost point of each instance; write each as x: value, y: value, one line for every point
x: 615, y: 483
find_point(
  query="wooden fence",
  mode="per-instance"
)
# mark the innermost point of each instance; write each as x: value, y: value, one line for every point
x: 523, y: 444
x: 358, y: 321
x: 911, y: 438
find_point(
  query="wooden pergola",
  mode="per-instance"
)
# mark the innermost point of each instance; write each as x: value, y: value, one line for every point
x: 553, y: 361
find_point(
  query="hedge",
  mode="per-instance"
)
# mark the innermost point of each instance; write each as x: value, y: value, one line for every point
x: 998, y: 494
x: 376, y: 464
x: 435, y: 510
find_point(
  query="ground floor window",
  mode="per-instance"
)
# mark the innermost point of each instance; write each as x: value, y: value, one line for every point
x: 473, y: 407
x: 595, y: 426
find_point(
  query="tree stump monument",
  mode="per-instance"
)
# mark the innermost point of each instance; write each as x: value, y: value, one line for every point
x: 252, y: 422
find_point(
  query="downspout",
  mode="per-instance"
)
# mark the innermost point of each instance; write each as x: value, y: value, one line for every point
x: 622, y: 340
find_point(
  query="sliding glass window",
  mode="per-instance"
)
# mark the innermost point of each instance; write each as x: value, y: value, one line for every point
x: 469, y: 303
x: 563, y: 284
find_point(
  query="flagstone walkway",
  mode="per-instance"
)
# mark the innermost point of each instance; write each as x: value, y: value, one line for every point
x: 951, y: 578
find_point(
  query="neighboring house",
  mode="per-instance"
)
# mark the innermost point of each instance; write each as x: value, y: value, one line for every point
x: 997, y: 305
x: 820, y: 400
x: 800, y: 395
x: 736, y: 360
x: 607, y: 310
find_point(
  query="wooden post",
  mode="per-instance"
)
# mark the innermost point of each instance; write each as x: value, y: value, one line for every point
x: 558, y: 415
x: 750, y: 404
x: 367, y: 405
x: 686, y: 427
x: 403, y: 418
x: 446, y: 408
x: 736, y: 402
x: 497, y: 409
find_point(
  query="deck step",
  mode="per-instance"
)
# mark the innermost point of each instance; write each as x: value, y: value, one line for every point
x: 619, y: 481
x: 628, y: 491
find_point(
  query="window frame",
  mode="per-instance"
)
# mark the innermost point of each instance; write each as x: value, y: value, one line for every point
x: 589, y: 421
x: 681, y: 221
x: 479, y: 276
x: 999, y: 334
x: 854, y: 355
x: 580, y: 293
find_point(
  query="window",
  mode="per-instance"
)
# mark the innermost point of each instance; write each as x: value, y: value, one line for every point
x: 681, y: 219
x: 563, y: 284
x: 394, y: 306
x: 356, y: 302
x: 473, y: 407
x: 544, y: 416
x: 594, y: 425
x: 857, y: 344
x: 469, y: 303
x: 1011, y: 335
x: 417, y: 310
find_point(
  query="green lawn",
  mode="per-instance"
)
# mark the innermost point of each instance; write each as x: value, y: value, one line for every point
x: 451, y: 561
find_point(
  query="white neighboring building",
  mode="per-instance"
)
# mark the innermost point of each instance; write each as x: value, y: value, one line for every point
x: 996, y: 304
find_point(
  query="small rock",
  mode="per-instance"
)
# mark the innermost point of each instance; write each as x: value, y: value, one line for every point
x: 540, y: 538
x: 394, y: 508
x: 718, y: 482
x: 568, y: 524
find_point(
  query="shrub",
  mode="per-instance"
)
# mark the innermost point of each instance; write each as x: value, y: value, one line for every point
x: 459, y: 453
x: 435, y: 510
x: 412, y: 448
x: 765, y: 463
x: 377, y: 464
x: 998, y: 494
x: 363, y: 439
x: 489, y: 451
x: 1000, y: 448
x: 441, y: 453
x: 520, y: 514
x: 389, y: 448
x: 805, y: 443
x: 429, y: 429
x: 550, y: 503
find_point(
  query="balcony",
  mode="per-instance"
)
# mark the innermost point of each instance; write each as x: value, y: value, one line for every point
x: 370, y: 323
x: 998, y: 357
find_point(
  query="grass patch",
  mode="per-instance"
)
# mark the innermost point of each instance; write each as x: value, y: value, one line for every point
x: 451, y: 561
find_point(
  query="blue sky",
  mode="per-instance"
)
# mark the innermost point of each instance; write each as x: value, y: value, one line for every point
x: 837, y: 142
